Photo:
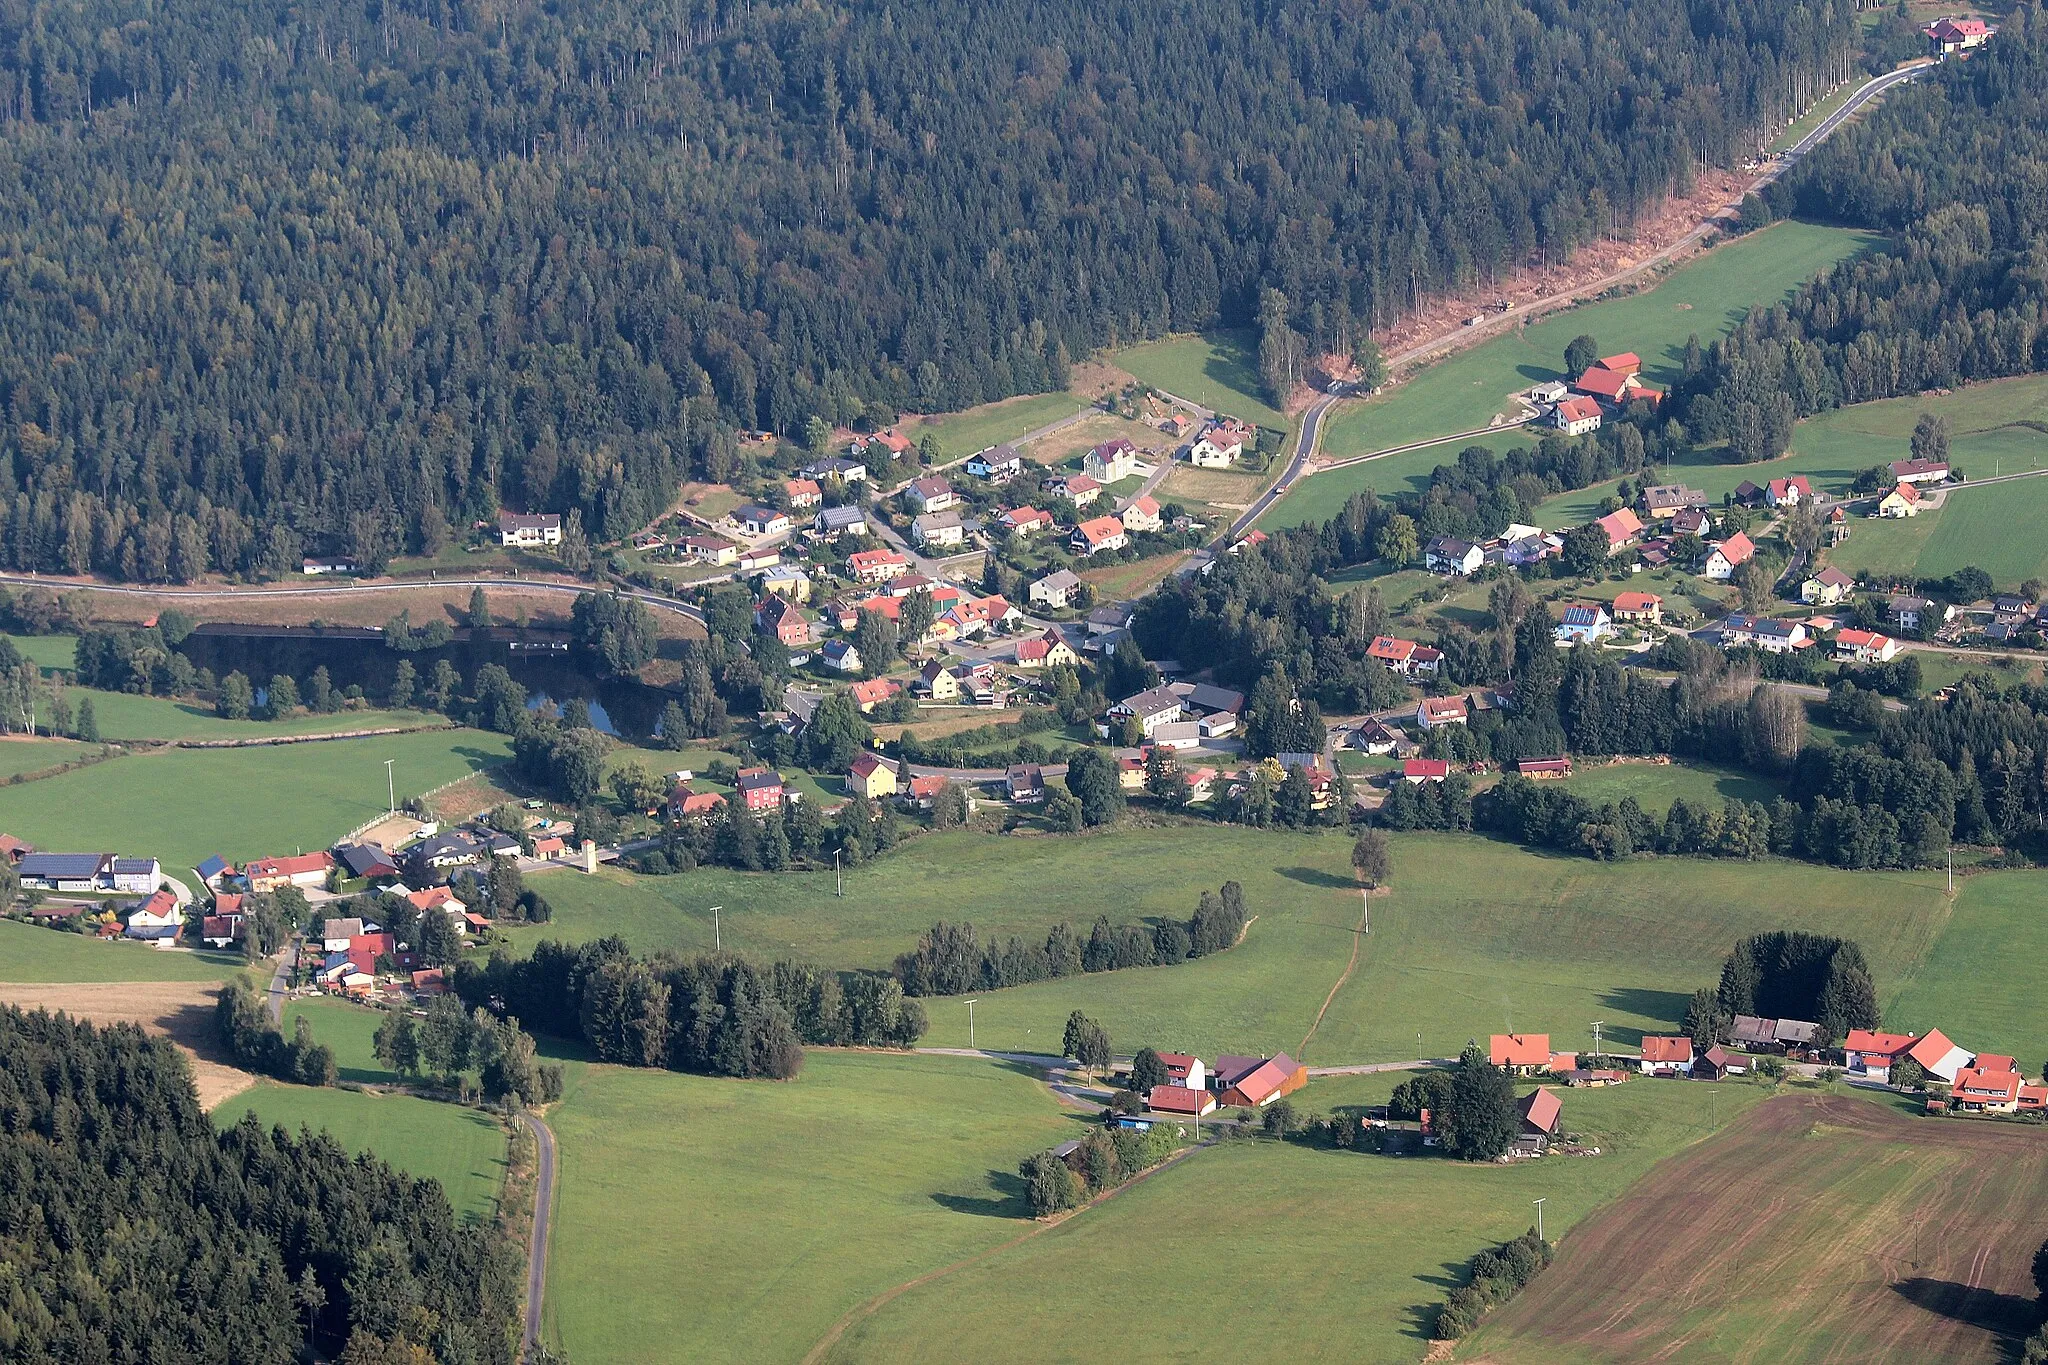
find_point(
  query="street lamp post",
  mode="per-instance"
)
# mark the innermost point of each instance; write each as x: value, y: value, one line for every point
x: 717, y: 935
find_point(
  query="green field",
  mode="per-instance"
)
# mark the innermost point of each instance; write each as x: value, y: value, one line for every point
x: 183, y: 804
x: 351, y: 1031
x: 31, y: 953
x: 1218, y: 370
x: 1998, y: 528
x: 1656, y: 785
x: 963, y: 433
x: 1983, y: 983
x: 1345, y: 1254
x: 1708, y: 297
x: 715, y: 1220
x: 19, y: 756
x: 464, y: 1149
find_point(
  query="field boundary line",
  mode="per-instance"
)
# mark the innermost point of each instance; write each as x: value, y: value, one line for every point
x: 1357, y: 937
x: 867, y: 1309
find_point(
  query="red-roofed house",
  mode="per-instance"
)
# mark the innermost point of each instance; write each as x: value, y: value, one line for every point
x: 1628, y: 362
x: 1938, y: 1056
x: 1141, y: 514
x: 1666, y: 1054
x: 872, y: 693
x: 1044, y: 651
x: 1185, y: 1069
x: 1788, y: 492
x: 1520, y: 1053
x: 1405, y: 657
x: 685, y: 804
x: 1956, y: 35
x: 1985, y: 1090
x: 1436, y: 711
x: 1576, y: 416
x: 1602, y: 384
x: 1025, y: 520
x: 1102, y: 533
x: 1541, y: 1111
x: 1870, y: 1053
x: 876, y: 566
x: 1420, y: 770
x: 803, y: 492
x: 1864, y: 647
x: 1622, y: 526
x: 274, y: 874
x: 1638, y: 606
x: 1254, y: 1082
x: 1178, y: 1099
x: 1725, y: 558
x: 429, y: 981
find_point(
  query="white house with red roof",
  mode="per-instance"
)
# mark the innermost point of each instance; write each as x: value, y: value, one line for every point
x: 304, y: 870
x: 1622, y: 526
x: 1420, y: 770
x: 1520, y: 1053
x: 1576, y: 416
x: 1666, y: 1054
x: 1185, y: 1069
x: 1405, y: 657
x: 1099, y: 535
x: 1141, y: 514
x: 1947, y: 35
x: 1726, y: 557
x: 1438, y: 711
x: 876, y: 566
x: 1864, y: 647
x: 1788, y: 492
x: 1986, y: 1089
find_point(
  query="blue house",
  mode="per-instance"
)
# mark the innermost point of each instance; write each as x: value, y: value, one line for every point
x: 1588, y: 624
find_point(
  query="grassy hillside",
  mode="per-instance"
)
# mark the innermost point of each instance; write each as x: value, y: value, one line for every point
x: 1983, y: 982
x: 29, y: 952
x: 1219, y: 370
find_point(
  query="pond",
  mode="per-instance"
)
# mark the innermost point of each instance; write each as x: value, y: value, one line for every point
x: 544, y: 662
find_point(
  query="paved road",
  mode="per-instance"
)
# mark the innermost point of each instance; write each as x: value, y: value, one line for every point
x: 279, y: 986
x: 543, y: 1207
x: 1304, y: 450
x: 1870, y: 91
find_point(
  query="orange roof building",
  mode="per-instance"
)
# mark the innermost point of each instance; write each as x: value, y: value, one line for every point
x: 1519, y: 1051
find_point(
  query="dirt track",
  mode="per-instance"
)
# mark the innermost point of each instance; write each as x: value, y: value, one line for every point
x: 1821, y: 1228
x: 181, y: 1009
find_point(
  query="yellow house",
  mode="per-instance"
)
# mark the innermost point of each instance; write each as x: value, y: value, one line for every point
x: 871, y: 777
x: 1903, y: 501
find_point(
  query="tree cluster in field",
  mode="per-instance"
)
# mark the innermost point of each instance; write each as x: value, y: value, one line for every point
x: 1494, y: 1277
x: 614, y: 631
x: 720, y: 1016
x: 985, y: 746
x: 794, y: 837
x: 790, y: 233
x: 1957, y: 294
x: 1106, y: 1158
x: 452, y: 1041
x: 1788, y: 974
x: 241, y: 1021
x: 1471, y: 1106
x: 114, y: 1177
x: 951, y: 959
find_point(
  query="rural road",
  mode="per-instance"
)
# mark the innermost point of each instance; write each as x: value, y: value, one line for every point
x: 543, y: 1206
x: 1871, y: 90
x: 278, y: 981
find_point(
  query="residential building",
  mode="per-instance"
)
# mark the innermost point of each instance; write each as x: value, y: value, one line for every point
x: 1550, y: 391
x: 686, y: 804
x: 708, y: 550
x: 1045, y: 651
x: 782, y: 620
x: 894, y: 442
x: 1376, y: 737
x: 1405, y: 657
x: 1100, y: 534
x: 1420, y: 770
x: 760, y: 558
x: 1111, y: 461
x: 1584, y: 625
x: 876, y: 566
x: 1716, y: 1063
x: 366, y: 862
x: 1215, y: 448
x: 1078, y: 489
x: 1870, y: 1053
x: 138, y: 875
x: 871, y: 777
x: 1520, y: 1054
x: 1693, y: 521
x: 1185, y: 1070
x: 1437, y: 711
x: 802, y: 493
x: 1056, y: 590
x: 996, y: 463
x: 938, y: 530
x: 1255, y: 1082
x: 1725, y: 557
x: 787, y: 581
x: 159, y: 911
x: 931, y: 494
x: 1150, y: 709
x: 1669, y: 499
x: 872, y: 693
x: 272, y: 874
x: 1666, y: 1054
x: 840, y: 656
x: 757, y: 520
x: 1576, y: 416
x: 1541, y: 1113
x: 1788, y: 492
x: 1639, y: 606
x: 936, y: 681
x: 326, y: 564
x: 1449, y: 555
x: 759, y: 788
x: 1765, y: 632
x: 844, y: 470
x: 1109, y: 617
x: 1025, y: 521
x: 527, y: 531
x: 1945, y: 35
x: 1902, y: 501
x: 1827, y: 587
x: 1984, y: 1089
x: 1141, y: 514
x: 1865, y: 647
x: 1919, y: 471
x: 1622, y: 526
x: 834, y: 522
x: 1025, y: 783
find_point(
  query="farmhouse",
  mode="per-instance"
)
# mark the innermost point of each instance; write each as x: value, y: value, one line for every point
x: 1098, y: 535
x: 1436, y: 711
x: 1449, y: 555
x: 540, y: 528
x: 997, y: 462
x: 1183, y: 1069
x: 1522, y: 1054
x: 685, y: 804
x: 759, y: 788
x: 835, y: 522
x: 1871, y: 1054
x: 1788, y: 492
x: 1724, y: 558
x: 1938, y: 1056
x: 1983, y: 1089
x: 1180, y: 1100
x: 802, y: 493
x: 1919, y: 471
x: 1639, y: 606
x: 1111, y: 461
x: 1405, y: 657
x: 1622, y: 526
x: 1576, y: 416
x: 1666, y: 1054
x: 1669, y: 499
x: 159, y: 919
x: 272, y: 874
x: 1151, y: 709
x: 1865, y: 647
x: 1826, y: 588
x: 1254, y: 1082
x: 1902, y: 501
x: 1754, y: 1034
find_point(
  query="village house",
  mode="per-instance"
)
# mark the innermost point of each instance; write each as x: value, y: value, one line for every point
x: 1433, y: 712
x: 716, y: 550
x: 223, y: 928
x: 1111, y: 461
x: 1216, y: 448
x: 938, y: 529
x: 527, y: 531
x: 1871, y: 1053
x: 1865, y: 647
x: 1449, y: 555
x: 1583, y: 625
x: 1769, y: 633
x: 936, y: 681
x: 893, y: 442
x: 1108, y: 619
x: 1947, y: 35
x: 1377, y: 737
x: 1827, y: 587
x: 1715, y: 1064
x: 1576, y: 416
x: 1141, y: 514
x: 996, y: 463
x: 1982, y: 1089
x: 1056, y: 590
x: 834, y: 522
x: 1903, y: 501
x: 1541, y: 1113
x: 841, y: 656
x: 836, y: 467
x: 1693, y: 521
x: 438, y: 857
x: 931, y: 494
x: 1666, y: 1054
x: 1078, y: 489
x: 1151, y: 709
x: 760, y: 789
x: 1405, y: 657
x: 759, y: 520
x: 1725, y: 557
x: 1667, y: 500
x: 1639, y: 606
x: 1255, y: 1082
x: 1098, y: 535
x: 876, y: 566
x: 366, y: 862
x: 1919, y: 471
x: 1753, y: 1033
x: 871, y: 777
x: 802, y: 493
x: 1025, y: 783
x: 872, y: 693
x: 687, y: 804
x: 1788, y: 492
x: 159, y: 919
x: 138, y: 875
x: 782, y: 620
x: 1417, y: 771
x: 1519, y: 1054
x: 1622, y: 526
x: 786, y: 581
x: 1914, y: 613
x: 272, y: 874
x: 763, y: 557
x: 1045, y: 651
x: 1025, y: 521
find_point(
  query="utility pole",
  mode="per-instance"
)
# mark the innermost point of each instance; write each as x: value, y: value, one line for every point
x: 1539, y: 1217
x: 717, y: 935
x: 838, y: 881
x: 390, y: 787
x: 970, y: 1022
x: 1596, y: 1040
x: 1951, y: 869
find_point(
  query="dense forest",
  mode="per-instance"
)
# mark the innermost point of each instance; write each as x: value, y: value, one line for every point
x: 276, y: 275
x: 135, y: 1231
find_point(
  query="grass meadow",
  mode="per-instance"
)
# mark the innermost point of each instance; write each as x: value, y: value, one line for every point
x: 1708, y: 297
x: 351, y: 1031
x: 1983, y: 982
x: 1351, y: 1251
x: 31, y: 953
x: 713, y: 1220
x: 963, y: 433
x: 1656, y: 785
x: 462, y: 1148
x: 183, y: 804
x: 1219, y: 370
x: 22, y: 756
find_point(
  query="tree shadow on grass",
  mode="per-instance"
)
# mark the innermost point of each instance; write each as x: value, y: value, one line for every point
x: 1647, y: 1003
x: 1538, y: 374
x: 1455, y: 1275
x: 2007, y: 1315
x: 1007, y: 1201
x: 1315, y: 876
x: 1421, y: 1320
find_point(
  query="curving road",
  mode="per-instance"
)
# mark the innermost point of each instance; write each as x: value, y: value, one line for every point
x: 543, y: 1206
x: 1871, y: 90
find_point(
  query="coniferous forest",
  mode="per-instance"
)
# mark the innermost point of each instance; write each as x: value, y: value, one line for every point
x: 356, y: 275
x: 135, y: 1231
